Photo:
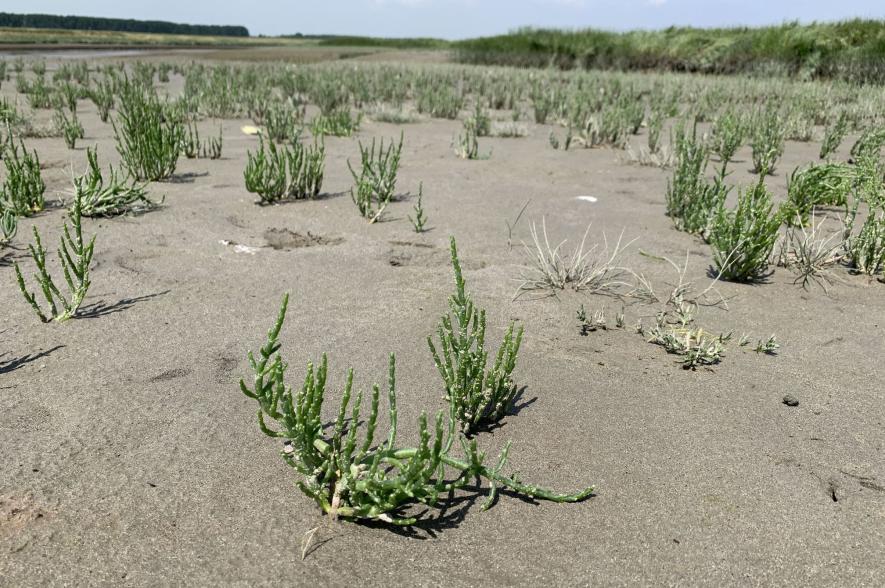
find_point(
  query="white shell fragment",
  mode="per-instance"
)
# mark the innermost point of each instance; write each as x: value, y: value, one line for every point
x: 239, y: 247
x: 587, y: 198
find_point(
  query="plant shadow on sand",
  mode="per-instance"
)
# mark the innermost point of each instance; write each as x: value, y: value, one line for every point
x: 453, y: 506
x: 14, y: 364
x: 99, y: 309
x: 516, y: 407
x: 320, y: 196
x: 7, y: 258
x: 186, y: 178
x: 450, y: 512
x: 764, y: 278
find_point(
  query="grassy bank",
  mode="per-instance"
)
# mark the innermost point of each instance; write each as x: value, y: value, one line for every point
x: 851, y: 50
x: 34, y: 36
x: 23, y: 36
x: 404, y: 43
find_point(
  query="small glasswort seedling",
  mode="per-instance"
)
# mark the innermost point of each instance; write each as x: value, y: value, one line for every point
x: 768, y: 347
x: 8, y: 226
x: 70, y: 128
x: 596, y: 321
x: 420, y: 218
x: 192, y: 146
x: 75, y: 256
x: 834, y: 135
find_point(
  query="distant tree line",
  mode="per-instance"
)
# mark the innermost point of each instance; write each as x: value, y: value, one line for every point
x: 91, y: 23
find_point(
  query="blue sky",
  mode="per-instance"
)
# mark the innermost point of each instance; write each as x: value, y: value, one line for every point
x: 455, y: 19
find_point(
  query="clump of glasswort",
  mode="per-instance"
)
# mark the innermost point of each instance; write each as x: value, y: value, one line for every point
x: 283, y: 121
x: 193, y: 147
x: 726, y: 138
x: 376, y: 179
x: 102, y: 95
x: 338, y: 123
x: 23, y: 189
x: 75, y: 255
x: 865, y: 248
x: 692, y: 200
x: 148, y: 134
x: 827, y: 184
x: 345, y: 471
x: 834, y: 134
x: 111, y: 196
x: 743, y: 238
x: 478, y: 396
x: 285, y: 172
x: 768, y: 141
x: 466, y: 145
x: 70, y: 128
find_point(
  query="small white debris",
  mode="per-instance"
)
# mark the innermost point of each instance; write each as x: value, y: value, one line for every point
x: 250, y: 130
x: 587, y: 198
x: 239, y: 247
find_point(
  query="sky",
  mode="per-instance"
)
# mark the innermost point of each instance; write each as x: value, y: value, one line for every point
x: 457, y: 19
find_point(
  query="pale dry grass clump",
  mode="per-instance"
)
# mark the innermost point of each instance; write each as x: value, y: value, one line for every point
x: 595, y: 269
x: 809, y: 255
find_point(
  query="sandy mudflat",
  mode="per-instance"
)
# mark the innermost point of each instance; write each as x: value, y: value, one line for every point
x: 128, y: 456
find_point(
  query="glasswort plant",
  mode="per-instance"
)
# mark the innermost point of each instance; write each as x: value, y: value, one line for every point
x: 100, y: 197
x: 148, y: 135
x: 75, y: 256
x: 376, y: 180
x: 356, y: 476
x: 743, y: 238
x: 478, y: 397
x: 420, y: 218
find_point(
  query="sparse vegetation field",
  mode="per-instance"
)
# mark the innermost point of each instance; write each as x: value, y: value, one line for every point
x: 647, y: 284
